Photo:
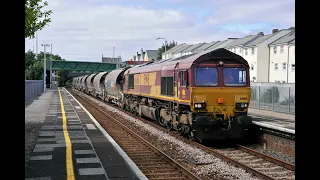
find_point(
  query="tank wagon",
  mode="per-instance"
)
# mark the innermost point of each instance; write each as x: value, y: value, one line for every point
x: 203, y: 96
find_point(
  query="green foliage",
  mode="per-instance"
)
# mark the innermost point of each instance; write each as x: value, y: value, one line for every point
x: 61, y: 79
x: 34, y: 64
x: 35, y: 17
x: 168, y: 46
x: 267, y: 95
x: 34, y: 71
x: 290, y: 100
x: 29, y: 59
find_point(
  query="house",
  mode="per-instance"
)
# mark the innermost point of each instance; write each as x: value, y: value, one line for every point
x: 178, y: 52
x: 282, y: 59
x: 190, y: 50
x: 150, y: 55
x: 237, y: 45
x: 205, y: 46
x: 257, y: 54
x: 114, y: 60
x: 168, y: 54
x: 220, y: 44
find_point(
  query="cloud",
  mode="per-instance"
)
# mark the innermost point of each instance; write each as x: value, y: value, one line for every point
x: 250, y: 11
x: 83, y: 30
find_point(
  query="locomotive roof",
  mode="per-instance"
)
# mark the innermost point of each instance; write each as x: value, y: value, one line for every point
x: 187, y: 60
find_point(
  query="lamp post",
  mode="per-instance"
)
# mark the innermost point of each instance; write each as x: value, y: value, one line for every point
x: 44, y: 66
x: 165, y: 43
x: 51, y: 67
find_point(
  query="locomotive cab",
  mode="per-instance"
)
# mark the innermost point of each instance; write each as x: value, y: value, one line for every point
x: 220, y: 96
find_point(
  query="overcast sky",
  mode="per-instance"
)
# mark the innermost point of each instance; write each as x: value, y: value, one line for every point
x: 83, y: 30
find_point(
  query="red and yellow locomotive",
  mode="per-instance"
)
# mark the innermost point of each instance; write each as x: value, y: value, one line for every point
x: 204, y: 95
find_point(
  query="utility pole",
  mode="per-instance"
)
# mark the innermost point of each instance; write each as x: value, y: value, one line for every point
x: 36, y: 43
x: 113, y: 58
x: 44, y: 67
x: 51, y: 67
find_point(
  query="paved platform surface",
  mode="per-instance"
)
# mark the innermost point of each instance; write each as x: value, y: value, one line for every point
x: 66, y: 143
x: 273, y: 120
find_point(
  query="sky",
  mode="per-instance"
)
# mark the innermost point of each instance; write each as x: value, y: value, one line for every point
x: 83, y: 30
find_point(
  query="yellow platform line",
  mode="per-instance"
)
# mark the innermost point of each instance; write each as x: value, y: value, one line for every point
x: 69, y: 162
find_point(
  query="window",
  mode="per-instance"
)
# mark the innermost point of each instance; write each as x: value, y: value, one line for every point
x: 246, y: 52
x: 183, y: 78
x: 167, y: 86
x: 234, y: 76
x: 206, y: 76
x: 131, y: 81
x: 293, y: 67
x: 281, y: 49
x: 275, y: 50
x: 252, y: 51
x: 235, y: 49
x: 252, y: 67
x: 275, y: 66
x: 284, y: 66
x: 240, y: 51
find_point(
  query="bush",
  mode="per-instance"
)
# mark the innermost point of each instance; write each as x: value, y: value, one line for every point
x: 267, y: 95
x: 290, y: 100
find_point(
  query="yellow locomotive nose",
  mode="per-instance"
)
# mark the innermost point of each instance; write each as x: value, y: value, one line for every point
x: 220, y: 102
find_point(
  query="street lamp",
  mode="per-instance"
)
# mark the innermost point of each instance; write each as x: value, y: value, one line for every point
x: 165, y: 43
x: 44, y: 66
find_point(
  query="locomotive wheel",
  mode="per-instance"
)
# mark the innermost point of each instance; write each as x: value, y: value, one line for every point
x: 169, y: 125
x: 191, y: 136
x: 162, y: 121
x: 181, y: 130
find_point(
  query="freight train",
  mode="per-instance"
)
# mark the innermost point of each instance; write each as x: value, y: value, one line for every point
x: 203, y: 96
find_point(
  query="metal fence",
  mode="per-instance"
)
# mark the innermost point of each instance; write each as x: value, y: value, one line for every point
x: 274, y: 97
x: 33, y: 88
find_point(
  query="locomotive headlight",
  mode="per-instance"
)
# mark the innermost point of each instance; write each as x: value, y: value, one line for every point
x: 200, y: 105
x: 241, y: 105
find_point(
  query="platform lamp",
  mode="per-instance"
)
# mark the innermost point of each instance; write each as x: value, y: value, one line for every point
x: 165, y: 43
x: 44, y: 67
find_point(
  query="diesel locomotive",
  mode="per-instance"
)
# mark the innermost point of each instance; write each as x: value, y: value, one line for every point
x: 204, y: 96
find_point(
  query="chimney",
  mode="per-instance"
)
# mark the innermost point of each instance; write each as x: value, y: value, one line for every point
x: 274, y: 30
x: 138, y: 56
x: 261, y: 34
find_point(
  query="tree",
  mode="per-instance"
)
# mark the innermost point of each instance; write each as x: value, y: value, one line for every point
x: 29, y: 59
x: 168, y: 46
x: 34, y: 64
x: 35, y: 17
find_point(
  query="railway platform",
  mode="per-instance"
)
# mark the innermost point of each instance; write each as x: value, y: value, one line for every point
x: 63, y: 141
x: 273, y: 120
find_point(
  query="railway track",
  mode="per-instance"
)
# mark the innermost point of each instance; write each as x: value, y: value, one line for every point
x: 259, y: 164
x: 151, y: 161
